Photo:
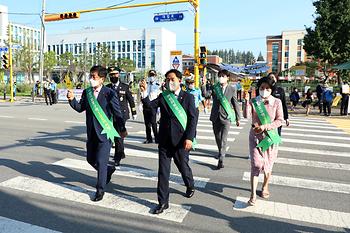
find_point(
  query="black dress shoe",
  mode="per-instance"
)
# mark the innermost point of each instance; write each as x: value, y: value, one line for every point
x: 147, y: 142
x: 220, y: 165
x: 98, y: 196
x: 109, y: 175
x: 160, y: 208
x: 189, y: 192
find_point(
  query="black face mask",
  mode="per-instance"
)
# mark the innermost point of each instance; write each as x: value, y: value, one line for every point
x: 114, y: 79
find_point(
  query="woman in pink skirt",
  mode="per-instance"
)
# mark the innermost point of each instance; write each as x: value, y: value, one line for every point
x: 266, y: 113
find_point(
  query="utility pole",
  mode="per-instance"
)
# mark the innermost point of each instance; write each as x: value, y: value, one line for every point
x: 85, y: 52
x: 42, y: 44
x: 196, y: 43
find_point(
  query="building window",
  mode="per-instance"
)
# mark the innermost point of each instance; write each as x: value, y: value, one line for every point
x: 300, y: 42
x: 113, y: 46
x: 123, y: 46
x: 299, y: 54
x: 128, y: 46
x: 275, y: 47
x: 143, y: 60
x: 128, y: 56
x: 134, y: 58
x: 286, y: 42
x: 66, y: 47
x: 285, y: 65
x: 139, y: 59
x: 139, y: 45
x: 153, y: 60
x: 153, y: 45
x: 286, y: 54
x: 143, y: 45
x: 49, y: 48
x: 134, y: 46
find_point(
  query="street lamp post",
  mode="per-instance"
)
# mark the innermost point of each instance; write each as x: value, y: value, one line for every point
x: 42, y: 44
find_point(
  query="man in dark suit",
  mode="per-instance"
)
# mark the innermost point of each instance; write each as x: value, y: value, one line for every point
x: 176, y: 134
x: 278, y: 92
x: 220, y: 117
x: 125, y: 97
x: 98, y: 143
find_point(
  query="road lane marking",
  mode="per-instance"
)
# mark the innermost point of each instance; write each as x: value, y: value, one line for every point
x: 308, y: 119
x: 310, y: 163
x: 154, y: 155
x: 301, y: 151
x: 211, y: 131
x: 314, y: 126
x: 37, y: 119
x: 75, y: 122
x: 7, y: 117
x: 316, y: 136
x: 211, y: 126
x: 309, y: 123
x: 316, y: 143
x: 213, y: 138
x: 304, y: 183
x: 313, y: 130
x: 294, y: 212
x: 175, y: 213
x: 127, y: 171
x: 12, y: 226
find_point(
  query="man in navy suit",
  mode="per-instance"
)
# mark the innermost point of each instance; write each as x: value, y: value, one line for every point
x: 98, y: 143
x: 175, y: 138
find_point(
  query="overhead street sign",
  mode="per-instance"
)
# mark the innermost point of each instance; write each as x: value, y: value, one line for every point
x: 169, y: 17
x: 4, y: 49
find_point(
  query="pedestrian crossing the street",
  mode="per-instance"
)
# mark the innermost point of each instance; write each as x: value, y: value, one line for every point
x: 297, y: 151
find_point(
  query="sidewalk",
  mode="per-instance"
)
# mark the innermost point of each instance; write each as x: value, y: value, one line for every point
x: 314, y: 113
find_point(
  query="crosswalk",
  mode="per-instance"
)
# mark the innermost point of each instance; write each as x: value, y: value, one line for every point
x: 297, y: 152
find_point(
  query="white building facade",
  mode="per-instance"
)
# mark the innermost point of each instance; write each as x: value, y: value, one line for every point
x: 21, y: 34
x: 149, y: 48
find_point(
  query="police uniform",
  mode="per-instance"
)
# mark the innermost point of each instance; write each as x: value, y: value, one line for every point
x: 150, y: 114
x: 125, y: 98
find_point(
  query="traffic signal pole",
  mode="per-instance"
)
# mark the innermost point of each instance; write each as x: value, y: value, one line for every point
x: 196, y: 43
x: 10, y: 63
x: 42, y: 44
x: 194, y: 3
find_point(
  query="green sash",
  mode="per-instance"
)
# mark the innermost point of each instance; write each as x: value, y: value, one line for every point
x: 224, y: 102
x: 177, y: 109
x: 106, y: 124
x: 272, y: 136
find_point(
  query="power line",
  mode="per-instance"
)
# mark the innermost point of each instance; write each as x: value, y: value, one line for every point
x: 18, y: 13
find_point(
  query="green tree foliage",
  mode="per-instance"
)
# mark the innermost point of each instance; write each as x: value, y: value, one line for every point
x: 231, y: 57
x: 50, y: 61
x: 26, y: 59
x: 329, y: 39
x: 125, y: 64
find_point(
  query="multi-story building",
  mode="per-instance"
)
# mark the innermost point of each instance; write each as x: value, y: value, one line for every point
x: 21, y: 34
x: 285, y: 51
x: 149, y: 48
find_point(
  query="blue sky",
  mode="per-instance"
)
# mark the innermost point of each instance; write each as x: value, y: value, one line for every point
x: 238, y: 24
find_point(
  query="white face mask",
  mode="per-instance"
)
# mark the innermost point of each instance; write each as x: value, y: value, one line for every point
x: 171, y: 86
x: 191, y: 86
x: 152, y: 78
x: 223, y: 80
x: 94, y: 83
x: 264, y: 93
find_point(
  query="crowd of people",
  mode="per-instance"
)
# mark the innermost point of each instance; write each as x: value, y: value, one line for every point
x: 177, y: 100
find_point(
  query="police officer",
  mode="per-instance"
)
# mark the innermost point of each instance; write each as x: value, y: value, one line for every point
x: 150, y: 114
x: 125, y: 97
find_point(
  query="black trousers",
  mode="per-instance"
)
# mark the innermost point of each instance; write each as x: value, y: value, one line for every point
x: 239, y: 95
x: 97, y: 156
x: 47, y: 94
x: 344, y: 104
x: 119, y: 153
x: 150, y: 118
x: 327, y: 106
x: 279, y: 130
x: 181, y: 158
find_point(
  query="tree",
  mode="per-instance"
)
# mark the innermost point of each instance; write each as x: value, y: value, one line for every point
x: 260, y: 57
x: 329, y: 39
x: 27, y: 60
x: 50, y: 61
x: 125, y: 64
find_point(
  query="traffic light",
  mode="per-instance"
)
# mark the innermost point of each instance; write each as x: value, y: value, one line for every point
x: 62, y: 16
x: 203, y: 56
x: 5, y: 61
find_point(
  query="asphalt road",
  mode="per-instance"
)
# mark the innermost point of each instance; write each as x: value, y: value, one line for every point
x: 45, y: 182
